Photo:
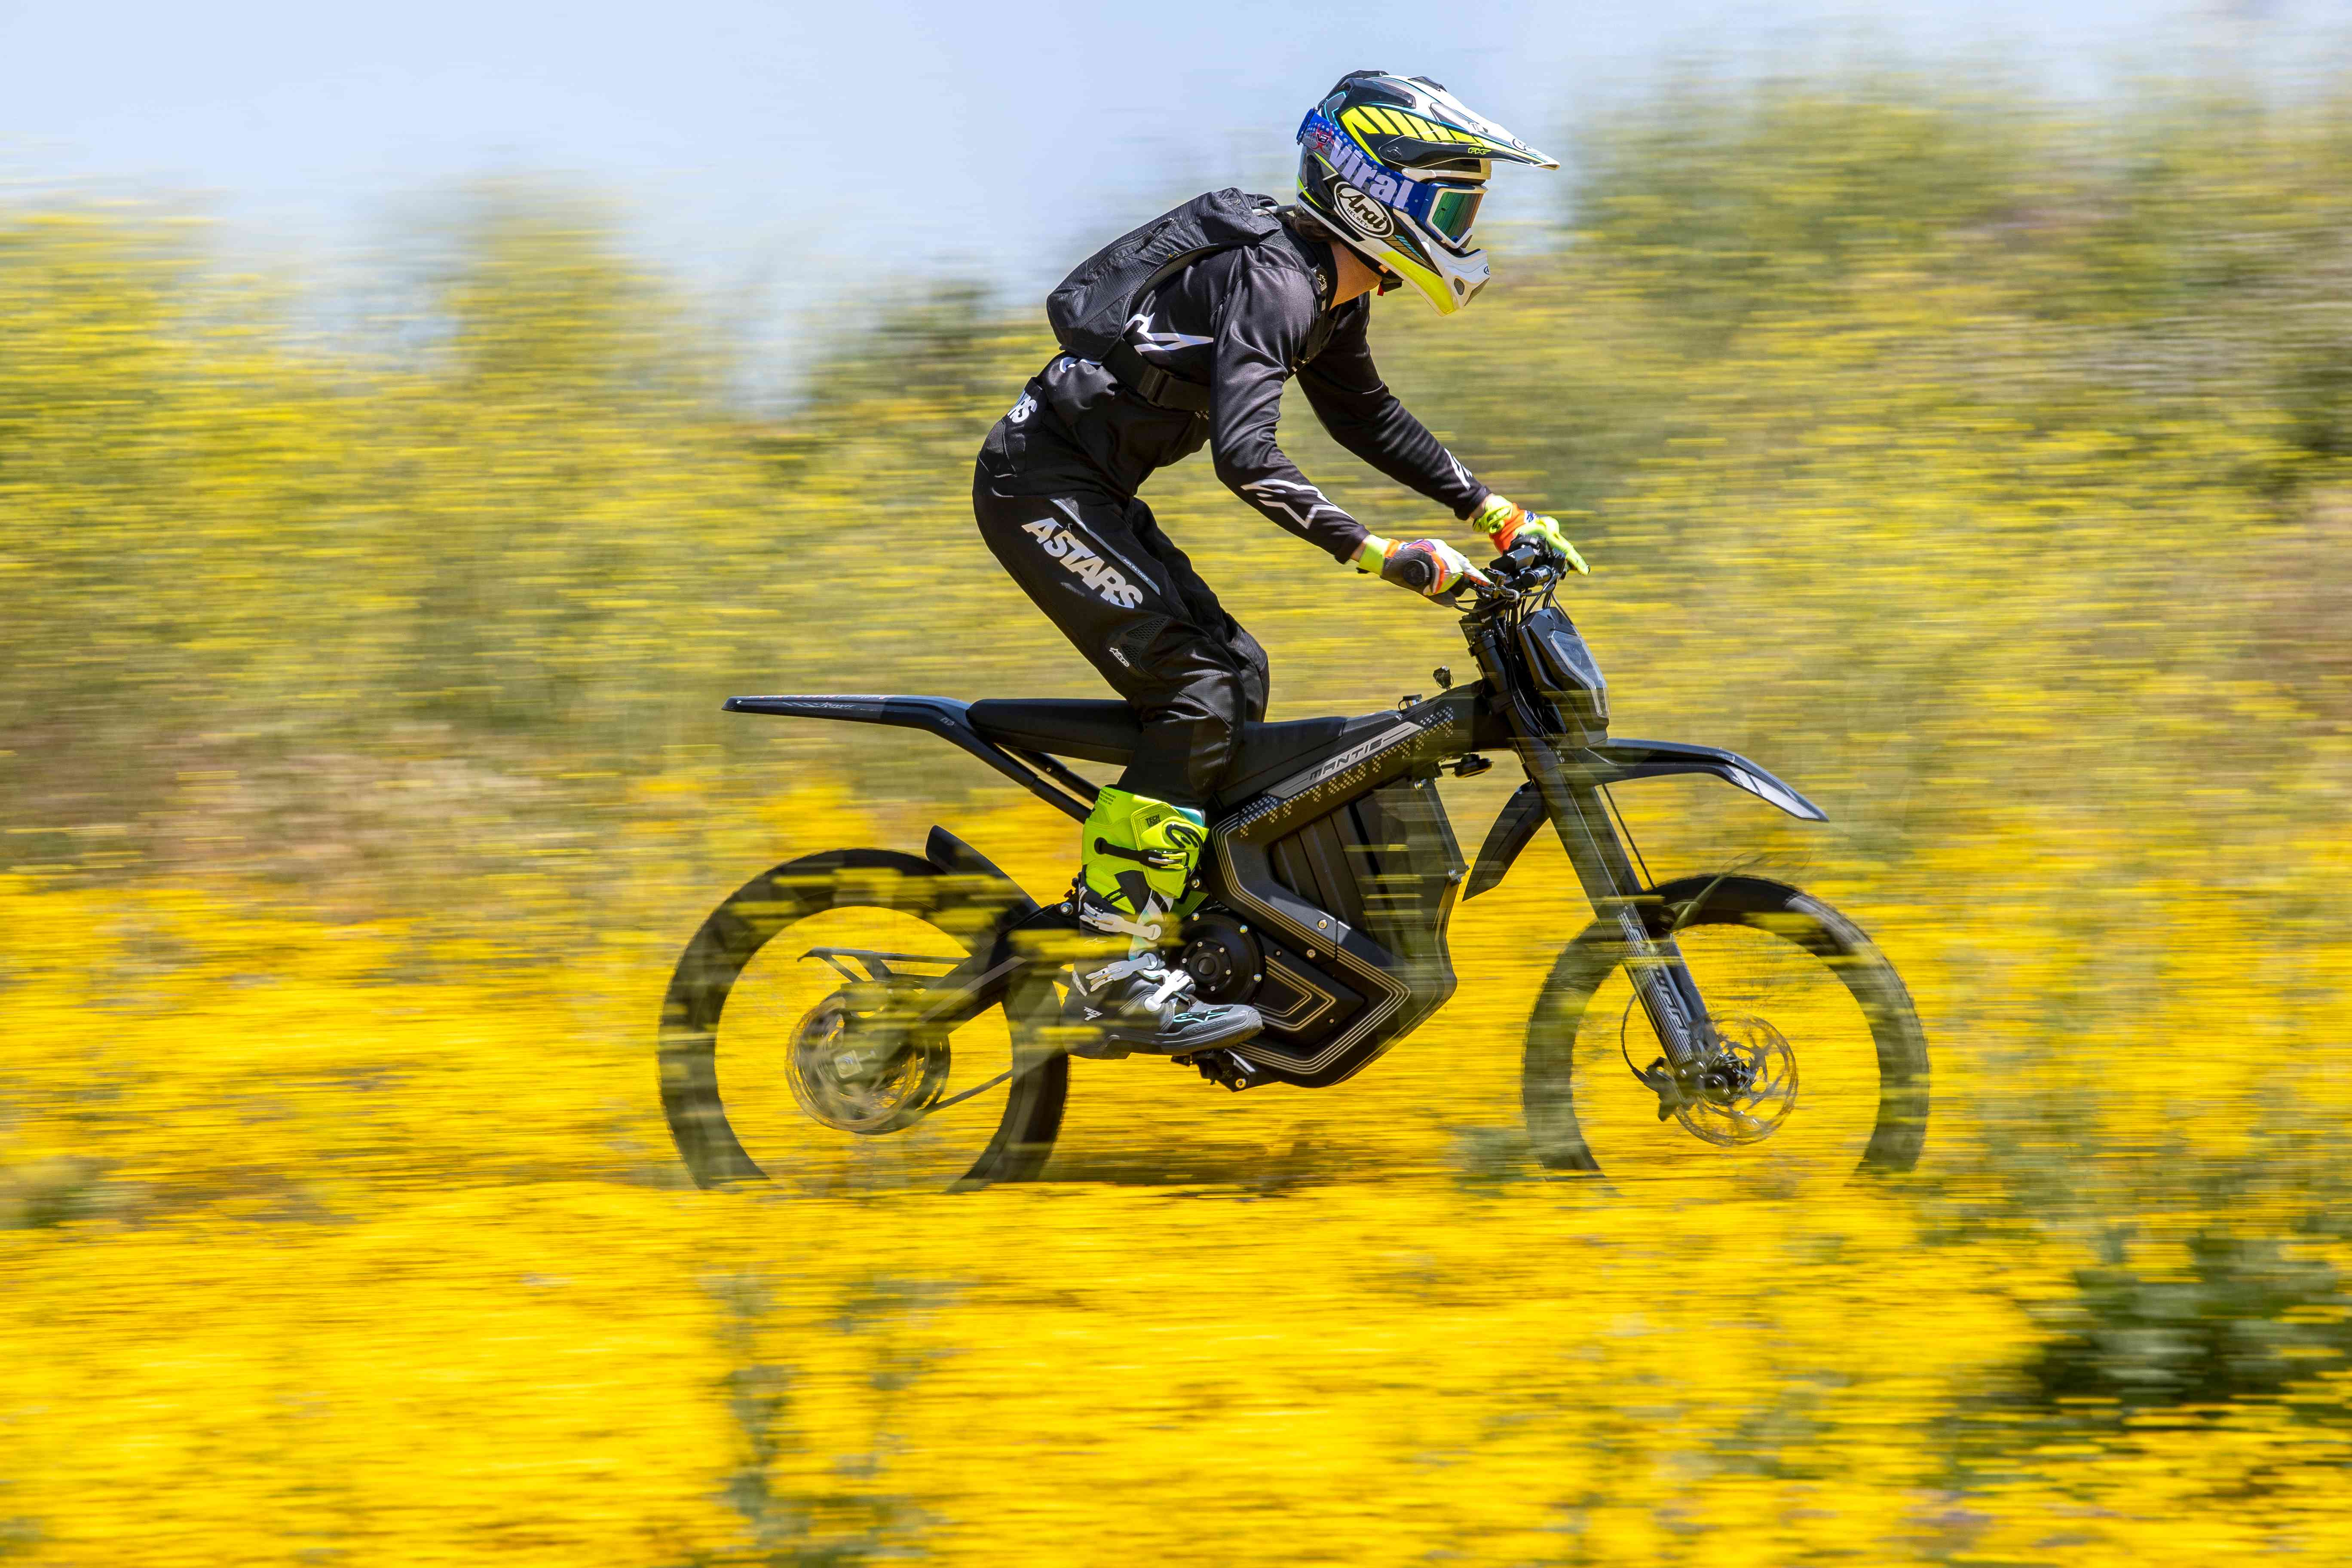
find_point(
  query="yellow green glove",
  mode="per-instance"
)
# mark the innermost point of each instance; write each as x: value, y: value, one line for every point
x: 1509, y: 523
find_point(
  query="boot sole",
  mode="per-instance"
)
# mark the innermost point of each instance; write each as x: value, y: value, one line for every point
x: 1233, y: 1031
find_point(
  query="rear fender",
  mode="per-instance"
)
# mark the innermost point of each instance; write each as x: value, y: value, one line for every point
x: 978, y: 874
x: 942, y: 716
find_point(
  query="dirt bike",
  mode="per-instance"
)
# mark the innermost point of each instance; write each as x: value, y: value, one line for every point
x: 918, y: 1036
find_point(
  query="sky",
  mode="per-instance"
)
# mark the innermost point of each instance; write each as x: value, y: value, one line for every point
x: 812, y: 150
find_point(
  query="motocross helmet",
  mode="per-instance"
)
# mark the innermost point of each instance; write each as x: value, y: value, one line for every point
x: 1396, y: 167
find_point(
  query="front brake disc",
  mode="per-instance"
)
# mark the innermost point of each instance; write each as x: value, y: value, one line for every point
x: 1749, y: 1089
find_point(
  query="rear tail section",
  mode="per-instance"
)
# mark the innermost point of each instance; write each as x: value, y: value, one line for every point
x: 942, y: 716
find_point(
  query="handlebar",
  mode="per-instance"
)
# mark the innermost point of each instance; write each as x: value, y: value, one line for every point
x: 1522, y: 570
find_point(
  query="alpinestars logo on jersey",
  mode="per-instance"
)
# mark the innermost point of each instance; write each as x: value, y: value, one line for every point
x: 1139, y: 329
x: 1082, y: 562
x: 1288, y: 497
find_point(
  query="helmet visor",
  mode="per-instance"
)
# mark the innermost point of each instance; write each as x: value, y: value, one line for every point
x: 1453, y: 209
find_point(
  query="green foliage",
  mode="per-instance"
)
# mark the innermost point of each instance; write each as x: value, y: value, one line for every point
x: 1719, y: 207
x: 2242, y: 1320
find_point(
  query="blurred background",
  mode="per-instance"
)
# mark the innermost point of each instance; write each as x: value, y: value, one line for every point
x: 412, y: 426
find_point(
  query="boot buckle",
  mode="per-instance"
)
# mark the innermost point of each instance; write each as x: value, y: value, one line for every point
x: 1179, y: 981
x: 1106, y: 920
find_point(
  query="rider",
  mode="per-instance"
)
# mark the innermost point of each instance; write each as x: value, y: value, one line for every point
x: 1391, y: 173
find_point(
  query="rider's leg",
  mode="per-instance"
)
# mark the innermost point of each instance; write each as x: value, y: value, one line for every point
x: 1203, y: 610
x: 1218, y: 674
x: 1124, y: 606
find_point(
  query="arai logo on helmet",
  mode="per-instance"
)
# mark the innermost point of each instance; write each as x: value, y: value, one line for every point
x: 1369, y: 216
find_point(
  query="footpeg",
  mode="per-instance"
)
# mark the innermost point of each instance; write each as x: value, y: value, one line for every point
x: 1231, y: 1069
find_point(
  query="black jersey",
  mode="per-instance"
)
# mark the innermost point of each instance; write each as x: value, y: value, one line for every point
x: 1240, y: 322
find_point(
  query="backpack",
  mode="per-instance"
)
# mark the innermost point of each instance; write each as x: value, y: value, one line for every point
x: 1090, y: 310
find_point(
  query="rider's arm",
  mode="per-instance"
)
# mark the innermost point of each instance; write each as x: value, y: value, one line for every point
x: 1363, y: 415
x: 1265, y: 318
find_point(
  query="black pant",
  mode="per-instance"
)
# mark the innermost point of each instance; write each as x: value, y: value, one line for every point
x: 1103, y: 572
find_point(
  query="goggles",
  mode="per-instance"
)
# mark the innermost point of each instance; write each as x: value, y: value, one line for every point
x: 1446, y: 211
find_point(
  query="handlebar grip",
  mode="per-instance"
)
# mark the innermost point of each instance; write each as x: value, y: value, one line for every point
x: 1418, y: 574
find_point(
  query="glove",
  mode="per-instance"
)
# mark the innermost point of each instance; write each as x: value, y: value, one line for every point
x: 1511, y: 523
x: 1428, y: 566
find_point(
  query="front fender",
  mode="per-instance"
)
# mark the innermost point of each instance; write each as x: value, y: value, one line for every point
x: 1615, y: 761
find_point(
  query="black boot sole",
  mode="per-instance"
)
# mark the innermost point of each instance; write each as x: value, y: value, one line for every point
x: 1230, y: 1026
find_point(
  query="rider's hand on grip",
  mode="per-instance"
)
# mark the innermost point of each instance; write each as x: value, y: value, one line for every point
x: 1430, y: 567
x: 1511, y: 524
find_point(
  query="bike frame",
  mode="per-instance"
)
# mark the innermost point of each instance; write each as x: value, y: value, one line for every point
x: 1375, y: 976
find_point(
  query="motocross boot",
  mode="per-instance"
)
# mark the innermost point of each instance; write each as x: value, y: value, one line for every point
x: 1137, y: 858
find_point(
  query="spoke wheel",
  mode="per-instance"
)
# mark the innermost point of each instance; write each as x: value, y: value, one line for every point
x: 792, y: 1045
x: 1823, y: 1068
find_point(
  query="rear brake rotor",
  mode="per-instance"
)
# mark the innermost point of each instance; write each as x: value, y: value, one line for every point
x: 855, y: 1068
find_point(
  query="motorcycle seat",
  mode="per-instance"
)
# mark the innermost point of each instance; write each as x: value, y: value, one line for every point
x: 1107, y: 732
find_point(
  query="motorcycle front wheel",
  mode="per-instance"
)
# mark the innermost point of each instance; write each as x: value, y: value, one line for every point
x: 791, y: 1046
x: 1828, y: 1064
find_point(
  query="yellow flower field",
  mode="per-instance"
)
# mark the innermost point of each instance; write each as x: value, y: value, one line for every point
x: 339, y: 1262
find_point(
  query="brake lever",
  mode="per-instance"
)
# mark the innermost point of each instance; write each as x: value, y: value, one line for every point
x: 1489, y: 592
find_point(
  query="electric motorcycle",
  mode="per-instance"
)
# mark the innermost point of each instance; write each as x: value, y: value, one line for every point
x: 902, y: 1016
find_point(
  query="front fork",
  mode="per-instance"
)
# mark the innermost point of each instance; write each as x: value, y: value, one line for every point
x: 1580, y: 815
x: 1662, y: 980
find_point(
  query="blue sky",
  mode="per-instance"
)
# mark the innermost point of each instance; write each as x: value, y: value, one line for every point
x: 819, y: 147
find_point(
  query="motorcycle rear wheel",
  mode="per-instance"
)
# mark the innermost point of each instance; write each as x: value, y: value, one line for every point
x: 979, y: 1105
x: 1756, y: 948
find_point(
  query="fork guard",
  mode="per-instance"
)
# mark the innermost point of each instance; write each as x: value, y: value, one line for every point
x: 1616, y: 761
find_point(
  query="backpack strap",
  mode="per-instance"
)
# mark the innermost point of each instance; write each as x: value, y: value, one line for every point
x: 1158, y: 387
x: 1164, y: 388
x: 1161, y: 388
